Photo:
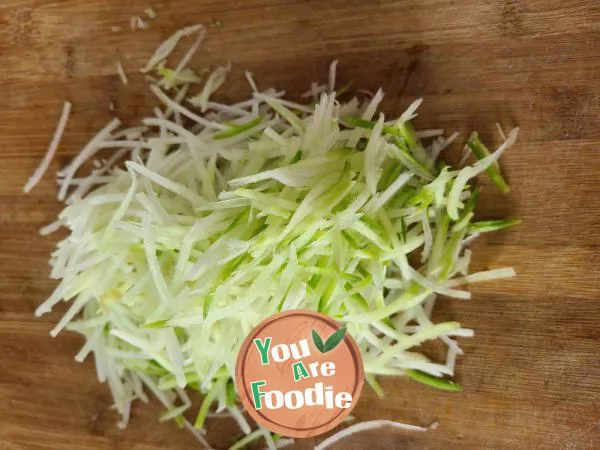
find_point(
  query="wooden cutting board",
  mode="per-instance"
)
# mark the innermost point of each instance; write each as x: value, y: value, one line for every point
x: 532, y: 372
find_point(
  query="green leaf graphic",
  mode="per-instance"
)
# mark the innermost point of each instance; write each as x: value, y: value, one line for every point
x: 334, y: 340
x: 318, y: 341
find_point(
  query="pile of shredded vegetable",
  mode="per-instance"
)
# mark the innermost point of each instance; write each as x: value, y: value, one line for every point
x: 209, y: 217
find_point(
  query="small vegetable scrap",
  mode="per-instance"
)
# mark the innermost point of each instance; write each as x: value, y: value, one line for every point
x: 216, y: 23
x: 208, y: 217
x: 138, y: 23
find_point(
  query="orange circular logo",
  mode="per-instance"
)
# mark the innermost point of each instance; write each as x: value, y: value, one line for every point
x: 299, y: 373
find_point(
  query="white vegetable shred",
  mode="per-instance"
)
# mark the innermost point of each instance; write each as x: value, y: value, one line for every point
x: 121, y: 73
x: 58, y: 133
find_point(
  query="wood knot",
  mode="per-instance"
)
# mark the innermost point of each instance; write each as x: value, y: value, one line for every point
x: 511, y: 19
x: 20, y: 26
x: 417, y: 49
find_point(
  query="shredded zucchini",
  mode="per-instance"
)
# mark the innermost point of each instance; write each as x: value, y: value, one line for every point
x: 223, y: 215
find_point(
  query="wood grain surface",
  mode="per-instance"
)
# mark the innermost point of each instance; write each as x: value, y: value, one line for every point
x: 532, y: 372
